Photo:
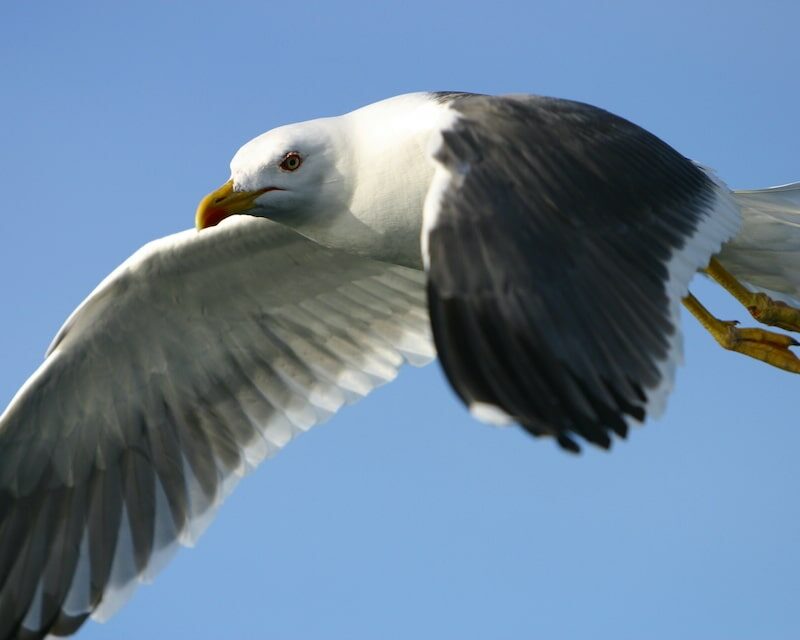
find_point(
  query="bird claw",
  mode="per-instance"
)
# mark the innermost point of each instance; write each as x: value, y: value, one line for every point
x: 767, y: 346
x: 774, y: 313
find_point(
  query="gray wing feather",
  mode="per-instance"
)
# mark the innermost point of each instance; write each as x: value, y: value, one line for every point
x: 558, y: 237
x: 197, y: 358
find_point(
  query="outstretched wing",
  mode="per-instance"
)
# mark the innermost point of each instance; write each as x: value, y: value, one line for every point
x: 198, y: 357
x: 560, y: 240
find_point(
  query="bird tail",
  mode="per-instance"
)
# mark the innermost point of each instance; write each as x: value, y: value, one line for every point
x: 766, y: 252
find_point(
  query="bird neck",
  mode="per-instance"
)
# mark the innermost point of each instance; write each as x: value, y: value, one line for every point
x: 391, y: 172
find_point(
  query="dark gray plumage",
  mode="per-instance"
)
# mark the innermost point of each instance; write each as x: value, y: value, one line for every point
x: 549, y: 261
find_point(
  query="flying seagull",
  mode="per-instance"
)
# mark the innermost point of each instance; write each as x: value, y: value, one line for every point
x: 544, y: 246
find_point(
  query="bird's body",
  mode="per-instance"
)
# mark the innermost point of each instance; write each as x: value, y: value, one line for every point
x: 548, y: 244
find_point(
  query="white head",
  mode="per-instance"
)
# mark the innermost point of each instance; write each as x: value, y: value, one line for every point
x: 286, y: 174
x: 355, y: 182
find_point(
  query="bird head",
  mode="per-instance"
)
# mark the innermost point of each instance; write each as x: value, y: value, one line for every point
x: 280, y: 175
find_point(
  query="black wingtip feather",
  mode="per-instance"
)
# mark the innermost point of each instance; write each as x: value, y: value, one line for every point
x: 568, y: 444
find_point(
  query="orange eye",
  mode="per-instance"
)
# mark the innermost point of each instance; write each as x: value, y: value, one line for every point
x: 291, y: 161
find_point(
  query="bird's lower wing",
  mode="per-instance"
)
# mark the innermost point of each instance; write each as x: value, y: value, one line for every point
x: 197, y: 358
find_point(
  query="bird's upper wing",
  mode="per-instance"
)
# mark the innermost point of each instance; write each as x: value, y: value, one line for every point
x: 198, y: 357
x: 560, y: 240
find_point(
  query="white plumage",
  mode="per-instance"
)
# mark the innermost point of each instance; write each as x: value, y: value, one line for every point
x: 766, y: 251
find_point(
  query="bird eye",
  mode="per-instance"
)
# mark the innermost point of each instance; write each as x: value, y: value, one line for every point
x: 291, y: 161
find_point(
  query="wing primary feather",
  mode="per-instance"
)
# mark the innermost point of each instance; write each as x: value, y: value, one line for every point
x: 139, y: 480
x: 105, y: 515
x: 167, y: 460
x: 62, y: 562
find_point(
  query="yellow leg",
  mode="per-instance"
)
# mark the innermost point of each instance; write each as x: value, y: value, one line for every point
x: 767, y: 346
x: 760, y: 305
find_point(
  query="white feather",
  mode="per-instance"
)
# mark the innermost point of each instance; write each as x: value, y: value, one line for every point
x: 719, y: 224
x: 765, y: 254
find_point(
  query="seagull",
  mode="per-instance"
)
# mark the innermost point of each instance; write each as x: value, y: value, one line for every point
x: 543, y: 248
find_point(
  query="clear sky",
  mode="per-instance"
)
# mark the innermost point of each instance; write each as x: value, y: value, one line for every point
x: 402, y: 517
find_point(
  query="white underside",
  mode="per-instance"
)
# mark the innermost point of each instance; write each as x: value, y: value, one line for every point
x: 765, y: 254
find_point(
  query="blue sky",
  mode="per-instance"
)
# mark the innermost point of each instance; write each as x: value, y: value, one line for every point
x: 402, y: 517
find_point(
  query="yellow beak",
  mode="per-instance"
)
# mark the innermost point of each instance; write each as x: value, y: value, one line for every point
x: 222, y: 203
